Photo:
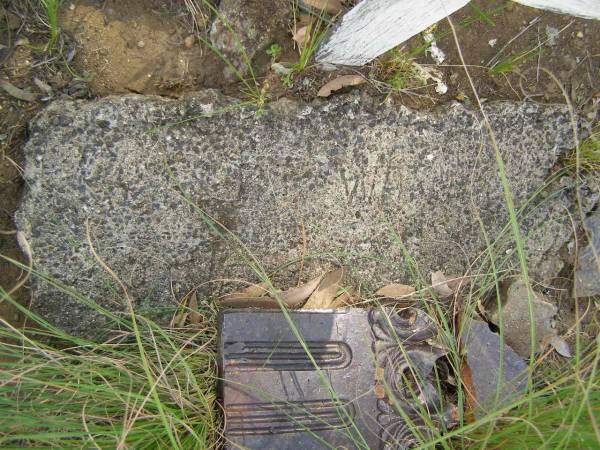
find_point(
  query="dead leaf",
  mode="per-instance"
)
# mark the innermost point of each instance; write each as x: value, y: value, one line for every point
x: 300, y: 35
x: 323, y: 295
x: 339, y: 83
x: 253, y: 290
x: 297, y: 295
x: 195, y: 316
x: 439, y: 283
x: 256, y: 290
x: 467, y: 382
x: 379, y: 391
x: 292, y: 298
x: 332, y: 7
x: 17, y: 93
x: 561, y: 346
x: 395, y: 290
x: 346, y: 298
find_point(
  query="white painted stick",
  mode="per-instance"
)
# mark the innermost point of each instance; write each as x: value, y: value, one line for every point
x: 375, y: 26
x: 588, y: 9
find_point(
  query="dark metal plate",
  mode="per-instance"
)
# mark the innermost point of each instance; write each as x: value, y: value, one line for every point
x: 341, y: 393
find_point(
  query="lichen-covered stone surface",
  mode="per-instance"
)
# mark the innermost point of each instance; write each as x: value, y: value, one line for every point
x: 356, y: 176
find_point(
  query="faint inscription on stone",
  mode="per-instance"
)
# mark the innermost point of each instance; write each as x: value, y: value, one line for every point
x: 328, y: 379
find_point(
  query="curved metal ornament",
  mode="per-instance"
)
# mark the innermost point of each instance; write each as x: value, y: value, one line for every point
x: 402, y: 350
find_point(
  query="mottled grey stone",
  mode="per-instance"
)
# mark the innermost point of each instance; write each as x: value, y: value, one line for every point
x: 587, y: 275
x: 245, y: 28
x: 359, y: 176
x: 516, y: 319
x: 482, y: 348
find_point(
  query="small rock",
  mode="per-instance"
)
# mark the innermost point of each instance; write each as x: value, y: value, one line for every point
x: 580, y: 34
x: 189, y: 41
x: 516, y: 319
x: 552, y: 35
x: 482, y: 348
x: 587, y: 275
x: 141, y: 44
x: 492, y: 42
x: 280, y: 69
x: 72, y: 6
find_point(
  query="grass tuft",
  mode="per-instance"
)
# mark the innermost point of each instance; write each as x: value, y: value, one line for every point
x: 59, y: 391
x: 51, y: 10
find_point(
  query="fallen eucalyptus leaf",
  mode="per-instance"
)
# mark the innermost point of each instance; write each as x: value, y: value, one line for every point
x: 17, y: 93
x: 346, y: 298
x: 297, y: 295
x: 256, y: 290
x: 195, y: 316
x: 324, y: 294
x: 395, y: 290
x: 332, y: 7
x: 561, y: 346
x: 300, y: 35
x: 292, y: 298
x: 439, y: 283
x: 339, y: 83
x: 252, y: 291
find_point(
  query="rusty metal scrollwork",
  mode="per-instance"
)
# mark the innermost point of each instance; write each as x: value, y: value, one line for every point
x: 402, y: 348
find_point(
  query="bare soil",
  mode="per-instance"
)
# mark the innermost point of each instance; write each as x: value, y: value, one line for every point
x: 154, y: 47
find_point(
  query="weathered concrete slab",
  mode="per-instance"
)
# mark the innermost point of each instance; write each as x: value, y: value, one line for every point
x: 351, y: 171
x: 273, y: 396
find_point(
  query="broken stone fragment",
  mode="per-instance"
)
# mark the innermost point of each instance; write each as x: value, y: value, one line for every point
x: 516, y: 318
x: 587, y: 275
x: 243, y: 29
x: 490, y: 385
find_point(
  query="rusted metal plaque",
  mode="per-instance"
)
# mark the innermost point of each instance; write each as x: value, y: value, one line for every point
x: 325, y: 379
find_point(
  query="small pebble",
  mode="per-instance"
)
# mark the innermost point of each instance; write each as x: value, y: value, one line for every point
x: 141, y: 44
x: 72, y: 6
x: 189, y: 41
x: 492, y: 42
x: 580, y: 34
